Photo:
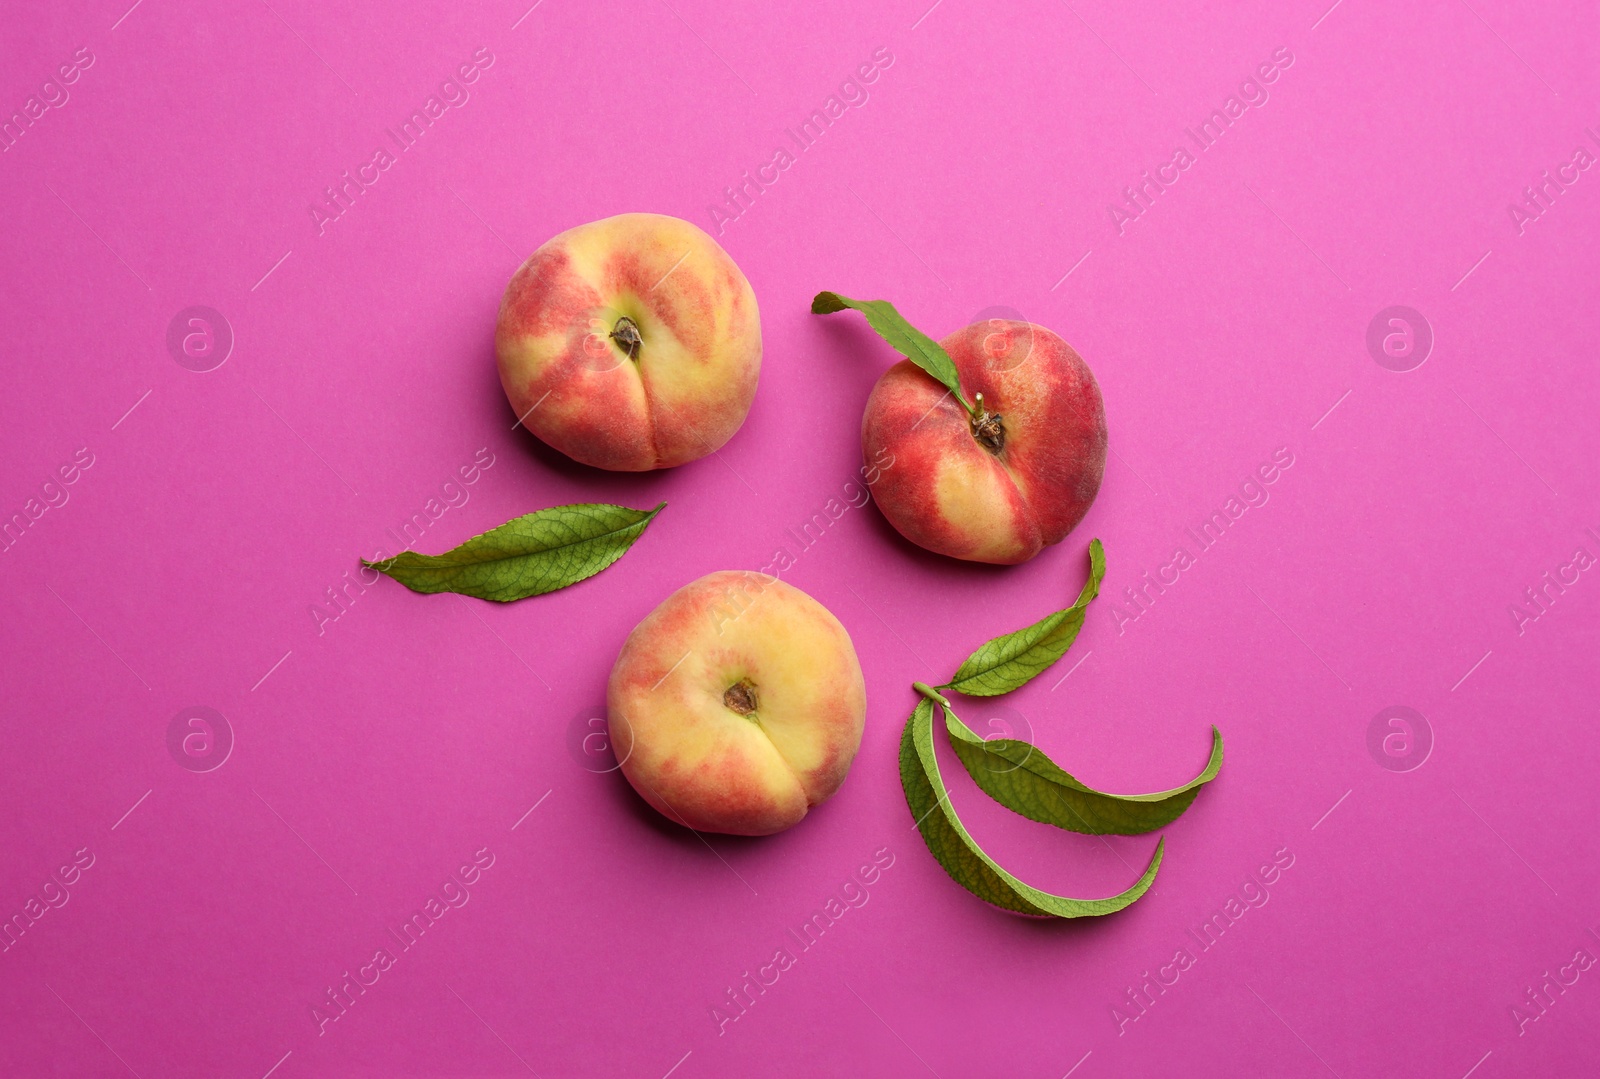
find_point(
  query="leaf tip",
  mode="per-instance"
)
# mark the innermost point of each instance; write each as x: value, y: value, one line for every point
x: 826, y: 303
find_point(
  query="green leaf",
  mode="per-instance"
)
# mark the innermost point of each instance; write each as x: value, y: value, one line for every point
x: 907, y: 340
x: 1005, y: 663
x: 1025, y: 781
x: 528, y: 555
x: 961, y: 856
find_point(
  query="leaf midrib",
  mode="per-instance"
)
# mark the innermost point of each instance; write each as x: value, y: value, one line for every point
x: 533, y: 554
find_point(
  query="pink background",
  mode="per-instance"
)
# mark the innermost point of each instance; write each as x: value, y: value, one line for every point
x: 372, y: 759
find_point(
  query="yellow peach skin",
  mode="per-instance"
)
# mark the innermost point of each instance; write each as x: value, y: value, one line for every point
x: 737, y: 705
x: 630, y: 343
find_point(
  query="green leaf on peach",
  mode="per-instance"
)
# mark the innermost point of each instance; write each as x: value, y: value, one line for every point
x: 530, y: 555
x: 906, y: 339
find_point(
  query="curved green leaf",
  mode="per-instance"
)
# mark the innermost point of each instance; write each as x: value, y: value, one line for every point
x: 528, y: 555
x: 1024, y: 780
x: 961, y: 856
x: 906, y: 339
x: 1005, y: 663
